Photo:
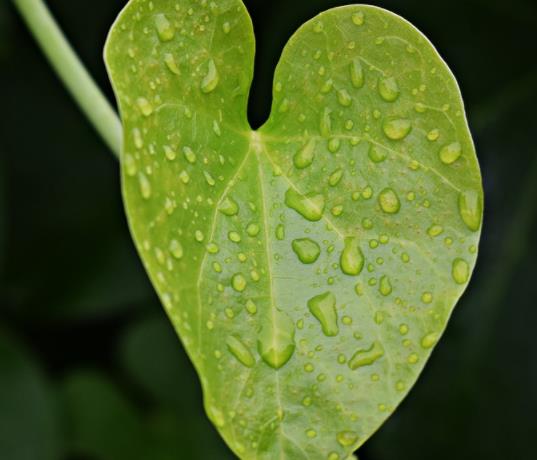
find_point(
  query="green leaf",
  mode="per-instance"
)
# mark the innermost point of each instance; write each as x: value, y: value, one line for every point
x: 311, y: 266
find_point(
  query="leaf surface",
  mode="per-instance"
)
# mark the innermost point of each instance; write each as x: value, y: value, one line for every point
x: 310, y: 266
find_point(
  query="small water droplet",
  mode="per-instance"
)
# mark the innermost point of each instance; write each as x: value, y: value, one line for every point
x: 229, y: 207
x: 280, y: 232
x: 211, y: 79
x: 389, y: 201
x: 385, y: 287
x: 334, y: 145
x: 347, y: 438
x: 427, y: 297
x: 238, y: 349
x: 435, y: 230
x: 460, y: 271
x: 304, y: 157
x: 145, y: 106
x: 357, y: 74
x: 145, y: 185
x: 226, y: 27
x: 234, y: 237
x: 358, y: 18
x: 366, y: 357
x: 396, y: 128
x: 238, y: 282
x: 176, y: 249
x: 130, y: 165
x: 307, y: 250
x: 433, y: 135
x: 311, y: 433
x: 323, y: 307
x: 377, y: 154
x: 310, y: 206
x: 335, y: 177
x: 169, y: 60
x: 189, y: 154
x: 388, y: 89
x: 429, y: 340
x: 450, y: 153
x: 326, y: 123
x: 344, y: 98
x: 251, y: 307
x: 352, y: 258
x: 470, y: 209
x: 253, y: 229
x: 184, y: 177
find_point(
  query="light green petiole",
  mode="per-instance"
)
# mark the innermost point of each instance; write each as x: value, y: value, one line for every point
x: 72, y: 72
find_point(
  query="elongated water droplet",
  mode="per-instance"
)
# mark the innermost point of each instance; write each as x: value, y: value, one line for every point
x: 169, y: 60
x: 470, y: 209
x: 229, y: 207
x: 276, y: 342
x: 306, y: 250
x: 238, y: 349
x: 347, y: 438
x: 352, y: 258
x: 280, y: 232
x: 310, y: 206
x: 210, y: 81
x: 145, y: 185
x: 335, y: 177
x: 304, y: 157
x: 326, y: 123
x: 357, y: 74
x: 165, y: 29
x: 366, y: 357
x: 389, y: 201
x: 388, y: 89
x: 396, y: 128
x: 450, y: 153
x: 344, y: 98
x: 130, y: 165
x: 189, y: 154
x: 460, y: 271
x: 323, y: 307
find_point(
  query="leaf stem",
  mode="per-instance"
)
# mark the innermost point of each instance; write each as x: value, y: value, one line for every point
x: 72, y: 72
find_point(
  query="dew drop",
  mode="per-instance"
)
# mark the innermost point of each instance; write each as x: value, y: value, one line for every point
x: 234, y: 237
x: 229, y: 207
x: 238, y: 349
x: 306, y: 250
x: 334, y: 145
x: 396, y: 128
x: 377, y: 154
x: 460, y: 271
x: 276, y: 342
x: 210, y: 81
x: 130, y: 165
x: 470, y: 209
x: 435, y: 230
x: 352, y: 258
x: 310, y: 206
x: 450, y: 153
x: 388, y: 89
x: 323, y: 307
x: 389, y: 201
x: 366, y: 357
x: 304, y: 157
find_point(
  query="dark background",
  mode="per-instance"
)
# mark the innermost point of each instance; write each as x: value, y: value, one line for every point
x: 90, y: 369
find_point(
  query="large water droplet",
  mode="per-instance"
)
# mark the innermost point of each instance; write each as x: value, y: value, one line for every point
x: 450, y: 153
x: 309, y: 206
x: 352, y: 257
x: 165, y: 29
x: 366, y: 357
x: 304, y: 157
x: 306, y: 250
x: 396, y: 128
x: 389, y: 201
x: 323, y: 307
x: 211, y: 79
x: 470, y: 209
x: 388, y: 89
x: 238, y: 349
x: 276, y: 342
x: 229, y: 207
x: 460, y: 271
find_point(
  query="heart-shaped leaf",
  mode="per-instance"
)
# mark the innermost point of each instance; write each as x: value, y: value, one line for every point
x: 311, y: 266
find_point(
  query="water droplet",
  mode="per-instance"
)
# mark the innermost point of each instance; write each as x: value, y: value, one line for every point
x: 240, y: 351
x: 347, y: 438
x: 389, y: 201
x: 304, y: 157
x: 130, y: 165
x: 311, y: 433
x: 307, y: 250
x: 229, y: 207
x: 450, y: 153
x: 429, y: 340
x: 251, y: 307
x: 145, y: 185
x: 460, y: 271
x: 357, y: 74
x: 344, y: 98
x: 145, y: 106
x: 326, y: 123
x: 388, y: 89
x: 352, y: 259
x: 385, y: 287
x: 396, y: 128
x: 253, y: 229
x: 427, y: 297
x: 169, y: 60
x: 433, y: 135
x: 184, y: 177
x: 366, y: 357
x: 323, y: 307
x: 335, y: 177
x: 413, y: 358
x: 210, y: 179
x: 210, y: 81
x: 238, y: 282
x: 234, y: 237
x: 176, y: 249
x: 435, y: 230
x: 309, y: 206
x: 165, y: 29
x: 276, y: 342
x: 212, y: 248
x: 377, y: 154
x: 189, y: 154
x: 470, y: 209
x: 280, y: 232
x: 226, y: 27
x: 358, y: 18
x: 334, y: 145
x: 333, y: 456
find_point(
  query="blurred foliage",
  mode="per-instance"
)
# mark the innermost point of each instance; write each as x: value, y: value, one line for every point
x: 90, y: 369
